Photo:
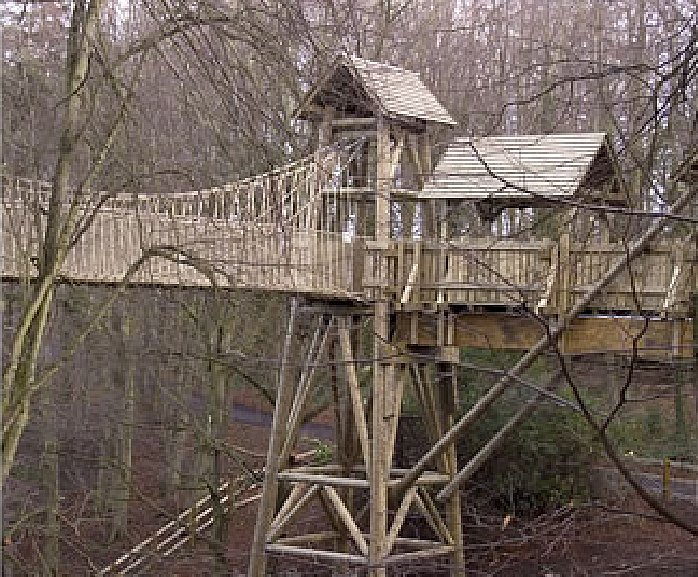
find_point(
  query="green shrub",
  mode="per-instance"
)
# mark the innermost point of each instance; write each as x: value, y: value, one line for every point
x: 545, y: 462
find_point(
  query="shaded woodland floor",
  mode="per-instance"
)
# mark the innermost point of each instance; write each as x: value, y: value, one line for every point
x: 621, y: 538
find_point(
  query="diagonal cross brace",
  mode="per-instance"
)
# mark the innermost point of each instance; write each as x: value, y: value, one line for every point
x: 551, y: 337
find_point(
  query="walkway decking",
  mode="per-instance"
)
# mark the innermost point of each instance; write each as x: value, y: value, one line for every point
x: 266, y: 256
x: 237, y: 237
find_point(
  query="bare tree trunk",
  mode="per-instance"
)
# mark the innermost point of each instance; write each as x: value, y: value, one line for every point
x: 124, y: 380
x: 19, y: 373
x: 50, y: 549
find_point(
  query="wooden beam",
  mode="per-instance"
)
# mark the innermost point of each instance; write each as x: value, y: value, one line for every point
x: 318, y: 554
x: 446, y: 385
x: 442, y: 530
x: 339, y: 122
x: 483, y: 454
x: 299, y: 489
x: 413, y: 148
x: 543, y: 302
x: 346, y: 518
x: 276, y: 529
x: 407, y: 291
x: 505, y: 331
x: 527, y: 360
x: 301, y: 477
x: 422, y: 508
x: 418, y: 555
x: 309, y: 538
x: 378, y: 477
x: 396, y: 153
x: 393, y: 408
x: 399, y: 518
x: 355, y: 392
x: 265, y: 513
x: 312, y: 360
x: 384, y: 180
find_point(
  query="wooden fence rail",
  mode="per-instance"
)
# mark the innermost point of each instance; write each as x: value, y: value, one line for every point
x: 206, y: 238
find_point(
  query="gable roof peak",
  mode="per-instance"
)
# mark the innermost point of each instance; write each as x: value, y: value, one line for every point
x: 396, y: 92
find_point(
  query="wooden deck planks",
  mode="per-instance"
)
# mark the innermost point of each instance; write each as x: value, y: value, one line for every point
x: 269, y: 256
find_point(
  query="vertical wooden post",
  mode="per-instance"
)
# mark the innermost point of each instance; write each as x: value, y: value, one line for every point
x: 428, y: 218
x: 381, y: 369
x: 680, y: 432
x: 378, y: 497
x: 265, y: 513
x: 446, y: 393
x: 564, y: 300
x: 383, y: 179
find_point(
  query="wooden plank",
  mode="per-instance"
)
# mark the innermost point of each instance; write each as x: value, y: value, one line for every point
x: 399, y: 518
x: 347, y: 519
x: 354, y: 390
x: 317, y: 554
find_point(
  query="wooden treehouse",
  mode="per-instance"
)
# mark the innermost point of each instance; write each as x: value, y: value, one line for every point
x: 440, y: 254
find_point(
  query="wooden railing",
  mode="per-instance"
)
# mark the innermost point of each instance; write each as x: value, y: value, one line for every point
x: 194, y: 252
x: 205, y: 238
x: 262, y: 232
x: 542, y: 275
x: 284, y: 195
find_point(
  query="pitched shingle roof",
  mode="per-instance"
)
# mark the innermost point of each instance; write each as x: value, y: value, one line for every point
x: 397, y: 92
x: 506, y: 167
x: 400, y: 92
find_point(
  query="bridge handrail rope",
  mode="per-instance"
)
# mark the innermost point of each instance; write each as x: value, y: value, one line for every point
x: 120, y: 201
x: 276, y: 204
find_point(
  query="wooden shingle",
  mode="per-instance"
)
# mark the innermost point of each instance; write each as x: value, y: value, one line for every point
x: 359, y: 87
x: 524, y: 170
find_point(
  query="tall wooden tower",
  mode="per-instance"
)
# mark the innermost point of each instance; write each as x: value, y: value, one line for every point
x: 394, y: 117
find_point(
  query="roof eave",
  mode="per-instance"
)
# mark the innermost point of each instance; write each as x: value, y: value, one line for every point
x: 339, y: 61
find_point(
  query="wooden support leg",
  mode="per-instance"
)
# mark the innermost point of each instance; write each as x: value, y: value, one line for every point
x: 314, y: 355
x: 265, y: 513
x: 354, y: 391
x: 446, y: 394
x: 378, y: 497
x: 393, y: 411
x: 694, y: 380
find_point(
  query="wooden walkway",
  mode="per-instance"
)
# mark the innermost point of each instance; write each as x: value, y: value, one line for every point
x: 287, y: 231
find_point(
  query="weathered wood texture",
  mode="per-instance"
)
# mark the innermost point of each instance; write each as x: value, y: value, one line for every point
x: 508, y: 273
x: 236, y: 238
x: 587, y: 335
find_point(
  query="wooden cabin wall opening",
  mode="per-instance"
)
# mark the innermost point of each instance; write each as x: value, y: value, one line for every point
x: 350, y: 207
x: 464, y: 220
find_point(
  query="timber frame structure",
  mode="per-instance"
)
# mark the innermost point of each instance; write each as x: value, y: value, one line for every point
x: 358, y: 231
